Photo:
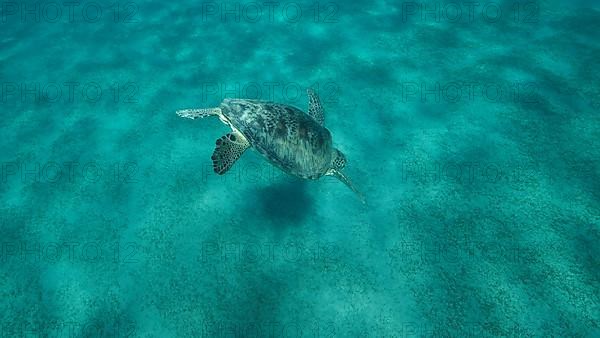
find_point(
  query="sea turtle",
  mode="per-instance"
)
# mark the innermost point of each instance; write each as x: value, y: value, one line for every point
x: 296, y: 142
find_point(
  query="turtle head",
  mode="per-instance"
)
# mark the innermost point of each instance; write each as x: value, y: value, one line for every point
x: 338, y: 160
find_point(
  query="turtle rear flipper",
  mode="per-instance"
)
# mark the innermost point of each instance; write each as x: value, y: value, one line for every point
x: 340, y: 176
x: 315, y: 109
x: 198, y: 113
x: 229, y: 148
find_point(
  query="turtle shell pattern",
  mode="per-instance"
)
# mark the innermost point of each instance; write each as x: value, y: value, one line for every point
x: 285, y: 135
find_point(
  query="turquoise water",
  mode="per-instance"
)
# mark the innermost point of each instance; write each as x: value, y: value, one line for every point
x: 472, y: 130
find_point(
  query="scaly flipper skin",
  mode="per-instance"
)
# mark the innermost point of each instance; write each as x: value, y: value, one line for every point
x: 198, y: 113
x: 228, y: 149
x: 315, y: 110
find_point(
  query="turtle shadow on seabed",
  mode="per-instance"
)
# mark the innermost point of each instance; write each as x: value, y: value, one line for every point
x: 286, y: 202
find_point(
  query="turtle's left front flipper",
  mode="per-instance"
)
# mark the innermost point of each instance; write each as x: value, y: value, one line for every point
x: 198, y: 113
x: 229, y: 148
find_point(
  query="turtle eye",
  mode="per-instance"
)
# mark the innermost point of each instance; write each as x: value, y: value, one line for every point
x: 340, y: 160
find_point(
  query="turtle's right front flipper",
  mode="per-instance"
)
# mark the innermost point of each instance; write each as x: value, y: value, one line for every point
x: 228, y: 149
x: 198, y: 113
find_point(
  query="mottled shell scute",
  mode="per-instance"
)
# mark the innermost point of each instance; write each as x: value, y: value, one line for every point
x: 284, y: 134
